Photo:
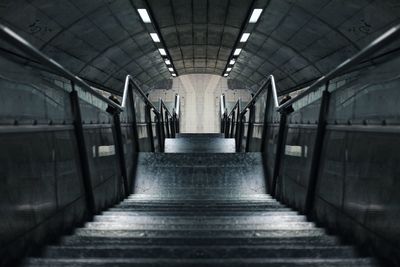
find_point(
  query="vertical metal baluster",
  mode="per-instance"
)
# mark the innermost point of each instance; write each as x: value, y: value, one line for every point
x: 149, y: 126
x: 83, y: 155
x: 168, y: 126
x: 121, y: 152
x: 134, y: 121
x: 250, y: 127
x: 232, y: 125
x: 280, y: 146
x: 316, y: 156
x: 159, y: 132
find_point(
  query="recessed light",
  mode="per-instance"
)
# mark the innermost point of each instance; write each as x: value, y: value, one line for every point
x: 226, y: 74
x: 228, y: 69
x: 232, y: 62
x: 162, y: 51
x: 244, y: 38
x: 173, y: 75
x: 168, y: 62
x: 237, y: 51
x: 144, y: 15
x: 255, y: 15
x: 171, y: 69
x: 155, y: 37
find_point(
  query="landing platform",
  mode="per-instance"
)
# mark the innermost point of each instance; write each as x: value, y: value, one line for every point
x: 200, y: 143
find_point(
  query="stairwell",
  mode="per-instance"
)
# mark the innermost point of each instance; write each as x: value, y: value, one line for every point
x: 200, y: 204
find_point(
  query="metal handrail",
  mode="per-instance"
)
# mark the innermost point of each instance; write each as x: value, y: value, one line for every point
x: 177, y: 105
x: 222, y: 104
x: 269, y: 80
x: 165, y: 107
x: 13, y: 38
x: 383, y: 40
x: 234, y: 107
x: 129, y: 80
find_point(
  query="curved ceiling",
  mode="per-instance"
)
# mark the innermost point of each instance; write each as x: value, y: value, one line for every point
x: 103, y: 41
x: 200, y: 34
x: 299, y: 41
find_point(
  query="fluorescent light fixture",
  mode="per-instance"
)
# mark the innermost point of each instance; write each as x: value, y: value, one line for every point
x: 255, y: 15
x: 155, y: 37
x: 226, y: 74
x: 244, y: 38
x: 173, y: 75
x: 162, y: 51
x: 237, y: 51
x: 232, y: 61
x: 144, y: 15
x: 228, y: 69
x: 171, y: 69
x: 167, y: 61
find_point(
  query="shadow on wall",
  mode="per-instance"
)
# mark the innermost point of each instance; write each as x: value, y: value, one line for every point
x: 200, y: 100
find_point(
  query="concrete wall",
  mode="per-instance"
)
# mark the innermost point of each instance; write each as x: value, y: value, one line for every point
x: 200, y: 100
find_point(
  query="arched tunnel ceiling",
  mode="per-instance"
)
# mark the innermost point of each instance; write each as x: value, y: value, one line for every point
x: 200, y: 34
x: 299, y: 41
x: 101, y: 41
x: 104, y: 40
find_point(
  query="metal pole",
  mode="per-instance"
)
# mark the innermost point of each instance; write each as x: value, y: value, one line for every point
x: 173, y: 133
x: 149, y: 127
x: 162, y: 129
x: 241, y: 132
x: 83, y: 156
x: 232, y: 125
x: 317, y: 151
x: 121, y: 153
x: 265, y: 123
x: 159, y: 132
x: 167, y: 125
x: 280, y: 146
x: 134, y: 122
x: 250, y: 127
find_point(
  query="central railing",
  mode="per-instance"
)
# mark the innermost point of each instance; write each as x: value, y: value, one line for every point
x: 149, y: 125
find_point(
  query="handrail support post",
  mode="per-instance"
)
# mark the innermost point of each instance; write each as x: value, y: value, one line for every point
x: 317, y: 151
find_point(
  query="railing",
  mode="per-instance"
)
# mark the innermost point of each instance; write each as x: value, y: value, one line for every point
x: 130, y: 85
x: 331, y: 152
x: 169, y: 123
x: 264, y: 107
x: 146, y: 118
x: 236, y: 125
x: 83, y: 144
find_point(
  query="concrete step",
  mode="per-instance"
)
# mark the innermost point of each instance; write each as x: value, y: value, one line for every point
x: 227, y: 220
x: 198, y: 202
x: 118, y: 262
x: 252, y: 197
x: 199, y: 144
x: 199, y: 252
x: 197, y: 226
x: 199, y: 233
x: 205, y: 211
x: 183, y: 214
x: 200, y: 135
x: 324, y: 240
x: 207, y: 207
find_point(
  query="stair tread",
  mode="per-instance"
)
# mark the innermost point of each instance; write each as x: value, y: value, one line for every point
x: 202, y: 262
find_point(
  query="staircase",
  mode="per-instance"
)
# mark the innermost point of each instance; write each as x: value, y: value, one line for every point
x: 199, y: 209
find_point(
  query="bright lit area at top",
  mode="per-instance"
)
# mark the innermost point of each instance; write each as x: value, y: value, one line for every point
x: 144, y: 15
x: 255, y: 15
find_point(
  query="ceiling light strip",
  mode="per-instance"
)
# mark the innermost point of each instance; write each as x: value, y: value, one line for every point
x: 245, y: 33
x: 153, y: 29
